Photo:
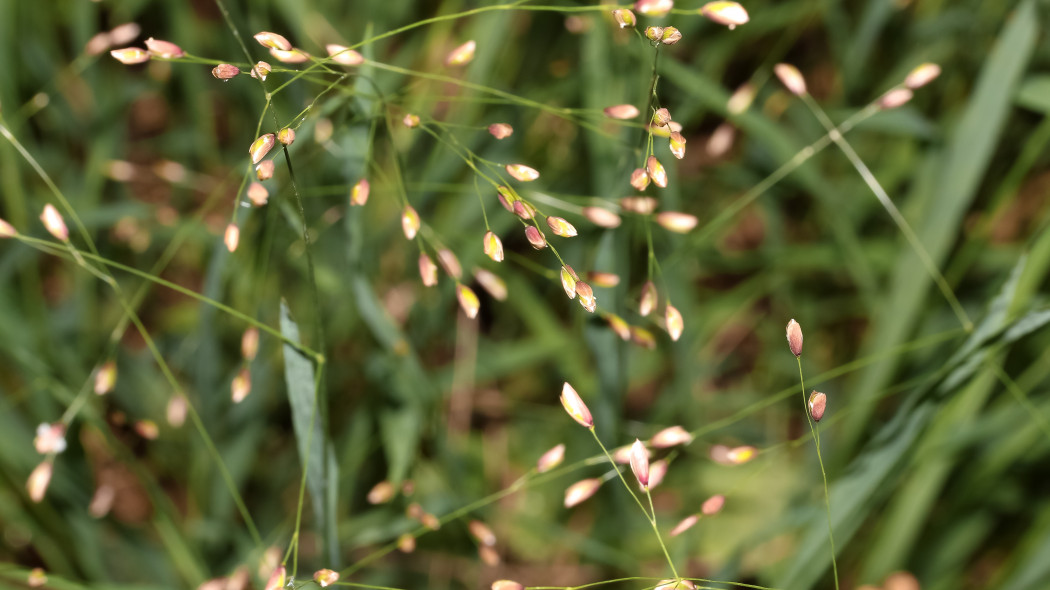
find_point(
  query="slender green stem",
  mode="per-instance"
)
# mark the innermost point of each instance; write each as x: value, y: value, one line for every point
x: 823, y: 474
x: 659, y: 537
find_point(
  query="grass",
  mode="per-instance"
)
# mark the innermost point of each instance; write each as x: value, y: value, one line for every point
x: 910, y: 244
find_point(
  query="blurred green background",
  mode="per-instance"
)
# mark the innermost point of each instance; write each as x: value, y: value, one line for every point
x: 936, y: 440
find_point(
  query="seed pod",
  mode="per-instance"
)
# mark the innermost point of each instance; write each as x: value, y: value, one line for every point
x: 657, y: 472
x: 492, y: 246
x: 648, y: 300
x: 286, y: 136
x: 654, y: 33
x: 653, y: 7
x: 640, y: 463
x: 175, y: 412
x: 587, y: 299
x: 501, y: 130
x: 523, y: 209
x: 673, y: 321
x: 482, y: 533
x: 573, y: 404
x: 671, y: 437
x: 410, y: 222
x: 381, y: 493
x: 461, y: 55
x: 675, y: 585
x: 656, y: 171
x: 241, y: 386
x: 568, y: 281
x: 164, y: 49
x: 53, y: 223
x: 536, y: 238
x: 661, y: 117
x: 922, y: 75
x: 794, y: 337
x: 551, y: 459
x: 232, y: 237
x: 507, y: 585
x: 130, y: 55
x: 721, y: 140
x: 639, y: 205
x: 621, y: 111
x: 741, y: 455
x: 468, y: 300
x: 643, y: 337
x: 343, y: 55
x: 39, y: 480
x: 36, y: 578
x: 561, y: 227
x: 605, y: 280
x: 639, y: 179
x: 277, y: 578
x: 411, y: 121
x: 225, y: 71
x: 677, y: 222
x: 602, y: 217
x: 677, y: 144
x: 581, y: 490
x: 818, y: 402
x: 273, y: 41
x: 522, y: 172
x: 359, y: 194
x: 729, y: 14
x: 624, y: 18
x: 50, y: 438
x: 791, y: 78
x: 406, y: 543
x: 261, y: 146
x: 428, y: 271
x: 741, y: 99
x: 105, y: 378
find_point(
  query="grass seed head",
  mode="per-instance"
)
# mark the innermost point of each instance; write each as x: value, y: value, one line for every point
x: 523, y: 209
x: 656, y: 171
x: 568, y: 281
x: 343, y: 55
x: 677, y: 144
x: 741, y: 99
x: 639, y: 205
x: 461, y: 55
x: 602, y: 217
x: 686, y: 524
x: 818, y: 402
x: 605, y: 280
x: 359, y: 194
x: 164, y: 49
x: 411, y: 121
x: 257, y: 193
x: 53, y: 223
x: 791, y: 78
x: 261, y: 146
x: 561, y: 227
x: 277, y: 579
x: 7, y: 230
x: 621, y: 111
x: 507, y: 585
x: 175, y: 412
x: 643, y: 337
x: 492, y: 284
x: 673, y: 321
x: 264, y: 171
x: 492, y: 246
x: 50, y: 438
x: 232, y: 237
x: 130, y: 55
x: 147, y: 429
x: 581, y: 491
x: 657, y: 472
x: 648, y: 300
x: 482, y: 533
x: 273, y: 41
x: 640, y: 463
x: 721, y: 140
x: 293, y: 56
x: 428, y: 271
x: 671, y: 36
x: 653, y: 7
x: 406, y: 543
x: 639, y: 179
x: 624, y: 17
x: 37, y: 578
x: 105, y: 378
x: 250, y: 344
x: 410, y: 222
x: 326, y: 577
x: 661, y: 117
x: 730, y: 14
x: 241, y: 386
x: 468, y: 300
x: 260, y: 70
x: 677, y: 222
x: 794, y: 337
x: 551, y: 459
x: 922, y: 75
x: 669, y: 584
x: 671, y: 437
x: 713, y: 505
x: 286, y: 136
x: 501, y: 130
x: 489, y: 555
x: 39, y: 480
x: 619, y: 326
x: 741, y: 455
x: 654, y: 33
x: 587, y: 299
x: 450, y: 263
x: 895, y: 98
x: 381, y: 493
x: 522, y: 172
x: 225, y: 71
x: 574, y: 406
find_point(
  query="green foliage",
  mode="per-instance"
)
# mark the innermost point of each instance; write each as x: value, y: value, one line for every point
x: 911, y: 244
